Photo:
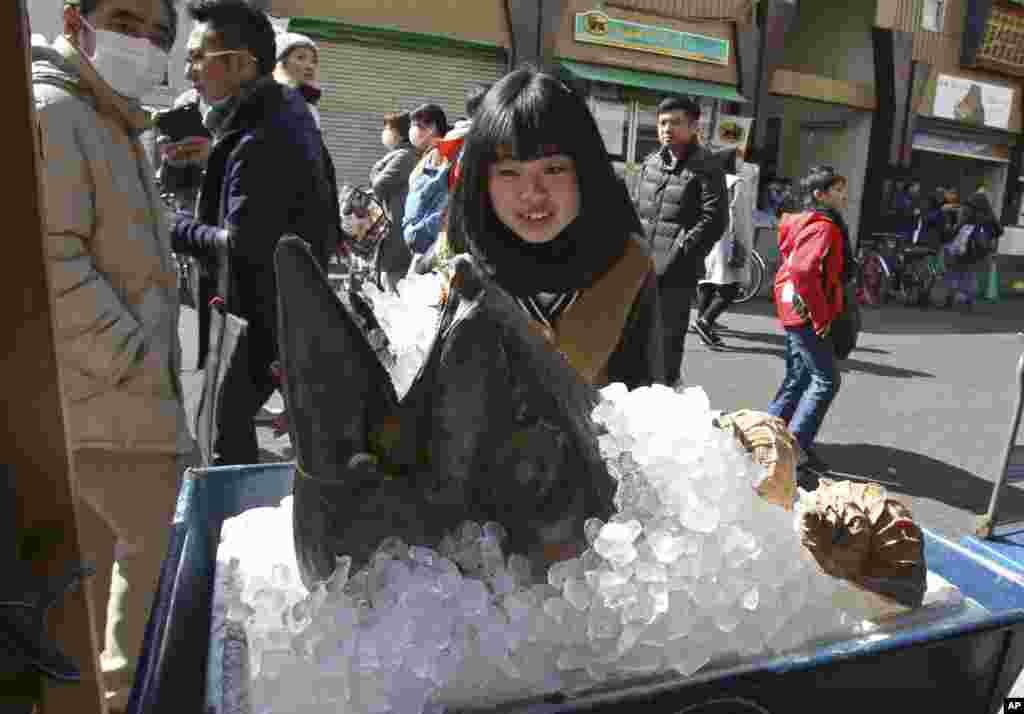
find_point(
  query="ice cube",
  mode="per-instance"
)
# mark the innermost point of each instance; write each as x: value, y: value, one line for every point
x: 469, y: 533
x: 642, y: 659
x: 564, y: 570
x: 750, y: 599
x: 603, y: 622
x: 495, y: 531
x: 647, y: 572
x: 621, y: 533
x: 521, y: 569
x: 577, y: 593
x: 667, y: 548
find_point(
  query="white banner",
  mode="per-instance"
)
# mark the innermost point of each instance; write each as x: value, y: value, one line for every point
x: 972, y: 102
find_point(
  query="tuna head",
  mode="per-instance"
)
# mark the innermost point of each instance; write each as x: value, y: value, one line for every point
x: 496, y: 425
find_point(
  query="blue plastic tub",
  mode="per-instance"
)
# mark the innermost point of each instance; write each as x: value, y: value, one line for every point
x: 965, y: 662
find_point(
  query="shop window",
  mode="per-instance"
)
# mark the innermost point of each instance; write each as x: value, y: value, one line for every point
x: 933, y: 15
x: 613, y: 118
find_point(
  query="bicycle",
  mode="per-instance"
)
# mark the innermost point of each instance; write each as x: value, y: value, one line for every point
x: 889, y: 268
x: 757, y: 269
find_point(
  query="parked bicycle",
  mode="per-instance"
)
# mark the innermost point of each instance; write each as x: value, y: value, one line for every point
x: 891, y: 267
x: 755, y: 278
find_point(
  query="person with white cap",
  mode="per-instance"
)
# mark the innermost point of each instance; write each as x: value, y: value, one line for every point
x: 298, y: 67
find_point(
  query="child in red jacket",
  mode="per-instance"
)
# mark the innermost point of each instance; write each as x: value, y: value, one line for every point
x: 814, y: 250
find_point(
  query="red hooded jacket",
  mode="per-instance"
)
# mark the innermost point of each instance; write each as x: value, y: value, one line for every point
x: 811, y: 251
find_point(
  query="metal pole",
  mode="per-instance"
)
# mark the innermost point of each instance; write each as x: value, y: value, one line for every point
x: 988, y: 522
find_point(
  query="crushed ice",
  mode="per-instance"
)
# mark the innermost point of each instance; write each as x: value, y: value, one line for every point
x: 693, y: 568
x: 409, y: 320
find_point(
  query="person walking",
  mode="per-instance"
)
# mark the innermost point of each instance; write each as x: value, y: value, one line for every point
x: 389, y: 179
x: 265, y: 178
x: 683, y: 208
x: 727, y: 265
x: 974, y: 238
x: 816, y: 258
x: 115, y: 299
x: 427, y: 202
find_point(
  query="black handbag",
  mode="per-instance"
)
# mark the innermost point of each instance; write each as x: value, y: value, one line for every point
x: 846, y: 326
x: 227, y: 355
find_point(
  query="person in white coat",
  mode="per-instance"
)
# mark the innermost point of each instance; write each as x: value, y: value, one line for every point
x: 727, y: 265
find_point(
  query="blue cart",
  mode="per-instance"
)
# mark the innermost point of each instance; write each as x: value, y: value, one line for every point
x: 964, y: 662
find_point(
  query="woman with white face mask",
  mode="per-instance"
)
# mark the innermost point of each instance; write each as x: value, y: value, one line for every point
x: 115, y: 295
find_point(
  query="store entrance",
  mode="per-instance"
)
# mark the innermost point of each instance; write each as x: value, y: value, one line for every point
x: 963, y: 173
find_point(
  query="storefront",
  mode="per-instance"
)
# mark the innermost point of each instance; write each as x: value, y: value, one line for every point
x: 376, y: 59
x: 818, y: 105
x: 964, y: 105
x: 964, y: 134
x: 629, y: 61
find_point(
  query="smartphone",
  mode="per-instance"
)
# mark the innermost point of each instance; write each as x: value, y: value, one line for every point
x: 182, y: 122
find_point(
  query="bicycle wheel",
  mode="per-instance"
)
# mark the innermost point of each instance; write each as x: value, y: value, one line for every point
x: 918, y: 283
x: 875, y: 276
x: 756, y: 269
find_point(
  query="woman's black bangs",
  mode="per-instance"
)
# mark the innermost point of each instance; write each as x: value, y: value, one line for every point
x: 532, y: 126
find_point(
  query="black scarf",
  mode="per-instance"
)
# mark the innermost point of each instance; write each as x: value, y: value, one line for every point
x: 573, y: 260
x: 848, y: 257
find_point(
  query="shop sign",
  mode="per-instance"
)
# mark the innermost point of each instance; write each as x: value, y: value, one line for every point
x: 732, y: 132
x: 936, y: 143
x: 595, y: 27
x: 972, y: 102
x: 1002, y: 45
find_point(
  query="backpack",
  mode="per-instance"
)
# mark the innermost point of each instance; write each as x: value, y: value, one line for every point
x: 977, y: 244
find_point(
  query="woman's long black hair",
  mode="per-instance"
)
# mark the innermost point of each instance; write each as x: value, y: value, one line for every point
x: 530, y: 114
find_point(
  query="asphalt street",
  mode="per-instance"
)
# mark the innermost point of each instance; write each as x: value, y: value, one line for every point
x: 924, y: 408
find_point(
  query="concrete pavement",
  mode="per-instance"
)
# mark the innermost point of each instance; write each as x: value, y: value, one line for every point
x: 924, y: 407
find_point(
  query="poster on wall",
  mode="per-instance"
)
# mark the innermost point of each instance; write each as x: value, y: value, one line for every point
x: 972, y: 102
x: 732, y: 132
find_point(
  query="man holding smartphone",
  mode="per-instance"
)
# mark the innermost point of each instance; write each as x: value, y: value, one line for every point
x: 115, y: 301
x: 184, y: 147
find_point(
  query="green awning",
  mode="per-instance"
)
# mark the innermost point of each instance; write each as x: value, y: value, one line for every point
x: 657, y: 82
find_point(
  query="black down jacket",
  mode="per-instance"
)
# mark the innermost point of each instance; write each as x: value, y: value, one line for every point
x: 684, y: 208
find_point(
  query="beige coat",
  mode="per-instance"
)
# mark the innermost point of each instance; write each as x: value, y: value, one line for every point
x: 111, y: 272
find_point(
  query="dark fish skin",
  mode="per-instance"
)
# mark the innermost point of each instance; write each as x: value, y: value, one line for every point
x: 496, y: 425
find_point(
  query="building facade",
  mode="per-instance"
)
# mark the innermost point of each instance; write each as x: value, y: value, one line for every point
x: 959, y: 70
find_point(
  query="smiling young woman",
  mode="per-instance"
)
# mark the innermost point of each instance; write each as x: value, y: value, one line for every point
x: 540, y: 208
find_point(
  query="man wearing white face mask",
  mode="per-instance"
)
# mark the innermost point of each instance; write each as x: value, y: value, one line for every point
x: 116, y: 306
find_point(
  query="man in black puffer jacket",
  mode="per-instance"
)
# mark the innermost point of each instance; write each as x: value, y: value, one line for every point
x: 682, y: 202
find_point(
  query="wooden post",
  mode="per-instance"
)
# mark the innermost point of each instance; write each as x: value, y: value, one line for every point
x: 34, y: 441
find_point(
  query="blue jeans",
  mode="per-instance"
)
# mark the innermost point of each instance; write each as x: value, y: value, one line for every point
x: 962, y: 283
x: 811, y: 383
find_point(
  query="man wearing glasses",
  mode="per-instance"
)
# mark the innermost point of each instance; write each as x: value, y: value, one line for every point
x: 115, y: 297
x: 265, y: 178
